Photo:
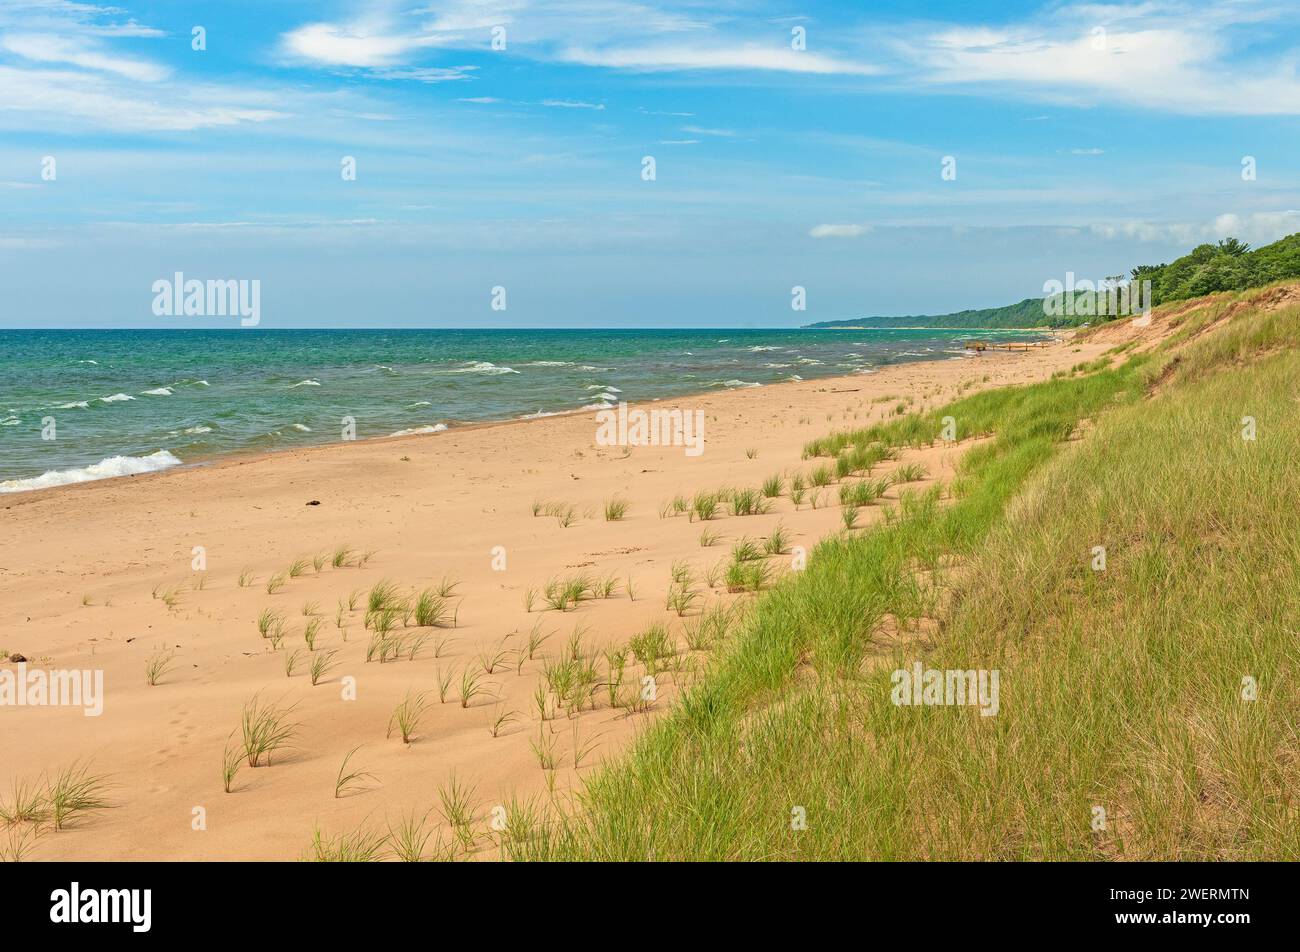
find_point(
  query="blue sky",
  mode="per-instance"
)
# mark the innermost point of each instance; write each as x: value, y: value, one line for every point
x: 1087, y: 138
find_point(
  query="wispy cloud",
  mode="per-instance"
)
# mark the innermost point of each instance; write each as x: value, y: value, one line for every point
x: 61, y: 67
x: 49, y: 48
x: 570, y: 104
x: 663, y: 57
x: 427, y: 74
x: 1172, y: 56
x: 52, y: 98
x: 838, y: 231
x: 633, y: 36
x: 364, y: 43
x: 1256, y: 227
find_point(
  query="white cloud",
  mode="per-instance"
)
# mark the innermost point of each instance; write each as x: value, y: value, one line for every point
x: 697, y: 130
x: 358, y: 44
x: 838, y: 231
x: 1258, y: 228
x: 570, y: 104
x: 669, y: 56
x: 46, y: 98
x: 48, y: 48
x: 1155, y: 55
x: 653, y: 112
x: 60, y: 68
x: 633, y: 36
x: 427, y: 74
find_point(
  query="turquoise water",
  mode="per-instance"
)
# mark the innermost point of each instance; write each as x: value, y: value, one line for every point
x: 133, y: 401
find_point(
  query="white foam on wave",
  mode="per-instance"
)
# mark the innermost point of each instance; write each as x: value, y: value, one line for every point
x: 302, y: 427
x: 761, y: 349
x: 10, y: 421
x: 435, y: 428
x: 195, y: 430
x: 115, y: 398
x: 158, y: 392
x: 601, y: 386
x: 549, y: 363
x: 305, y: 383
x: 74, y: 405
x: 104, y: 469
x: 478, y: 367
x: 734, y: 384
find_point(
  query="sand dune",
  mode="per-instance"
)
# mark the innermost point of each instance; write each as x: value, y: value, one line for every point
x: 87, y: 571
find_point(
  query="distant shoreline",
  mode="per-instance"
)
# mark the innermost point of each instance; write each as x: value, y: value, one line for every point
x: 986, y: 330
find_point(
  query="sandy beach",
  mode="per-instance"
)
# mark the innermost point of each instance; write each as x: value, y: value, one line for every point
x: 87, y: 573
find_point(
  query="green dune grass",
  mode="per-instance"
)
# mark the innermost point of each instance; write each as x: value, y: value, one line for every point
x: 1127, y: 727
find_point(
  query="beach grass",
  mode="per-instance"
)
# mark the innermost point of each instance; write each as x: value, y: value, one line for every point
x: 433, y: 609
x: 777, y: 542
x: 705, y: 506
x: 267, y: 620
x: 458, y: 805
x: 749, y: 502
x: 26, y: 804
x: 471, y: 686
x: 408, y: 839
x: 311, y: 631
x: 266, y: 729
x: 321, y: 663
x: 363, y: 845
x: 350, y: 780
x: 73, y: 792
x: 407, y: 715
x: 232, y: 759
x: 157, y: 665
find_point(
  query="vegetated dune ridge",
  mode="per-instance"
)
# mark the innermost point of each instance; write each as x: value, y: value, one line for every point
x: 98, y: 576
x: 1120, y: 548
